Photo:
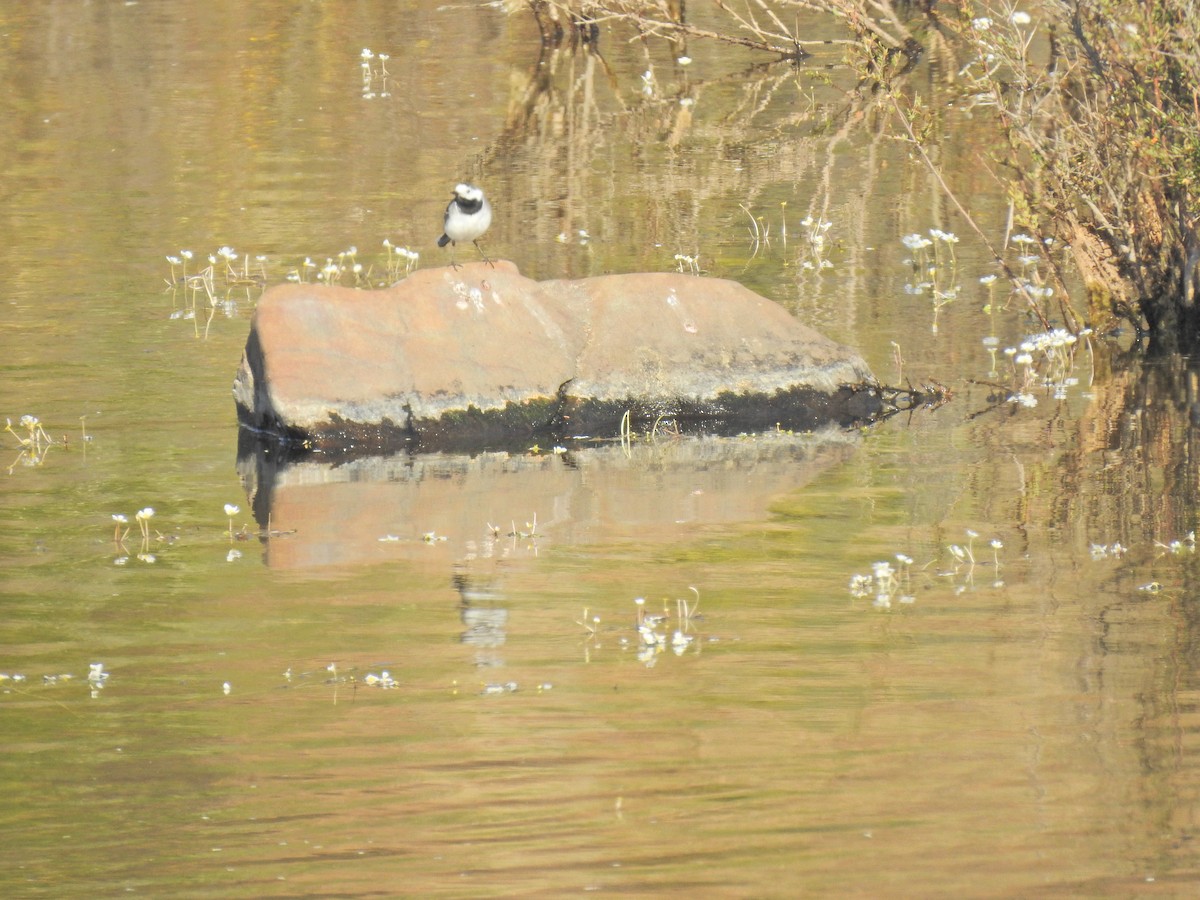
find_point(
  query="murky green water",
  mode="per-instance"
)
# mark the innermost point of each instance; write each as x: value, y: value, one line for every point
x: 1021, y: 726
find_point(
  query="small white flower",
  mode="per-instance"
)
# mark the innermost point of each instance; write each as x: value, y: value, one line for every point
x: 1020, y: 18
x: 983, y: 23
x: 226, y: 688
x: 119, y: 519
x: 684, y: 60
x: 231, y: 510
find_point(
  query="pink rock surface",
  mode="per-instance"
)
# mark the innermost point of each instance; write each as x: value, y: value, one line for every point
x: 444, y: 343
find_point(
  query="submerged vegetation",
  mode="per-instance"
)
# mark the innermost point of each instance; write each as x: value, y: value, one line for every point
x: 1097, y: 103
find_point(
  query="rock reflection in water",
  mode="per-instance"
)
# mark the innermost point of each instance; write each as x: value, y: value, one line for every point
x: 499, y: 506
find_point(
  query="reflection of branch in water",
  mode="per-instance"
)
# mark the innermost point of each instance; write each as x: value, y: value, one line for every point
x: 655, y: 18
x: 652, y: 171
x: 568, y: 118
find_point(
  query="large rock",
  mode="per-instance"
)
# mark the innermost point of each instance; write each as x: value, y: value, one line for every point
x: 479, y: 354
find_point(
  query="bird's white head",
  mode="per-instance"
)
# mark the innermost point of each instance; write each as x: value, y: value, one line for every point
x: 468, y: 193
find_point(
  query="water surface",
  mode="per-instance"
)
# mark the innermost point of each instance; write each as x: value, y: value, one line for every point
x: 1019, y: 726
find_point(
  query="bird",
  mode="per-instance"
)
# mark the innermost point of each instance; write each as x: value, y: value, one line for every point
x: 467, y: 218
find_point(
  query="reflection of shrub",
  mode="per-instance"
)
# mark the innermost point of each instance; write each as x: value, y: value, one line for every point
x: 1104, y: 143
x: 757, y: 24
x: 1102, y: 120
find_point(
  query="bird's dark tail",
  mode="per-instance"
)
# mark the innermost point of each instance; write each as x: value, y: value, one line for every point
x: 443, y: 240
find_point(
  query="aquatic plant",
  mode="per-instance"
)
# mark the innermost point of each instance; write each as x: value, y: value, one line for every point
x: 231, y: 511
x: 96, y: 679
x: 1046, y: 360
x: 383, y: 680
x: 590, y: 625
x: 143, y: 517
x: 36, y: 434
x: 934, y: 277
x: 35, y: 445
x: 493, y: 689
x: 814, y: 235
x: 885, y: 583
x: 530, y: 533
x: 1104, y: 551
x: 371, y: 76
x: 121, y: 531
x: 964, y: 562
x: 691, y: 262
x: 399, y: 258
x: 652, y: 629
x: 759, y: 229
x: 1177, y: 547
x: 220, y: 283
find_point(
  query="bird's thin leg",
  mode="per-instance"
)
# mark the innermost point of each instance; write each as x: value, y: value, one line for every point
x: 453, y: 264
x: 484, y: 255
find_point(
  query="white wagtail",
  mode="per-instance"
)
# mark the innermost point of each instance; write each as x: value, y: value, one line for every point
x: 467, y: 218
